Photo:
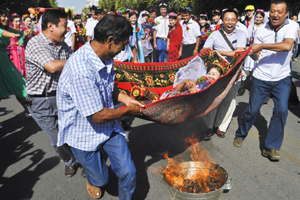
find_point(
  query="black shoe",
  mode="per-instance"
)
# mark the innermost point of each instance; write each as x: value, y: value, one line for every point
x: 241, y: 91
x: 208, y: 137
x: 70, y: 171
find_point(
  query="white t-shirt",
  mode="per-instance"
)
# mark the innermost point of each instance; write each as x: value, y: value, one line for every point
x: 162, y: 27
x: 190, y: 32
x: 71, y: 30
x: 242, y: 27
x: 90, y: 26
x: 272, y: 65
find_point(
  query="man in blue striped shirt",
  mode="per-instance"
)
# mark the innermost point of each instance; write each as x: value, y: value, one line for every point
x: 87, y: 118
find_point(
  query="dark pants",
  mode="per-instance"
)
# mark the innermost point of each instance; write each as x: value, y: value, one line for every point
x: 258, y: 93
x: 44, y: 112
x: 121, y: 163
x: 187, y: 51
x: 153, y: 55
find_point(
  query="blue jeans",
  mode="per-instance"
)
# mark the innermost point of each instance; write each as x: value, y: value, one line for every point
x: 258, y: 94
x: 161, y: 50
x: 121, y: 163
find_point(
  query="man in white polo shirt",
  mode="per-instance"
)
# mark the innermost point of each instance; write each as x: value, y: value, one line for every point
x: 272, y: 49
x: 91, y: 23
x: 191, y: 34
x: 160, y: 33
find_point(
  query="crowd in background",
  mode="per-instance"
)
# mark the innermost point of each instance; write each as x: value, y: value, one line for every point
x: 158, y: 35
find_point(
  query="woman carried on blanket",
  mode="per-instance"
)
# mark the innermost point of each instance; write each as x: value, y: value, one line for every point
x: 190, y: 85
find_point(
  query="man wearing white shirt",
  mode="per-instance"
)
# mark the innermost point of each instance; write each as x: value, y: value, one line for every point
x: 160, y: 33
x: 272, y: 49
x: 70, y: 35
x: 90, y: 24
x: 191, y: 34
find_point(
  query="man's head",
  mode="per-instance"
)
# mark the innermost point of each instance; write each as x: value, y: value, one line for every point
x: 216, y: 15
x: 163, y: 9
x: 92, y: 11
x: 229, y: 17
x: 99, y: 14
x: 279, y: 11
x: 295, y: 18
x: 113, y: 31
x: 250, y: 10
x: 186, y: 14
x: 54, y: 23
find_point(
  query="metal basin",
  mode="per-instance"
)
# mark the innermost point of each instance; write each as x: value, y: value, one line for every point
x: 189, y: 169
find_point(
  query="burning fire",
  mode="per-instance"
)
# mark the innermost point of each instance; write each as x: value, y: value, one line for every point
x: 201, y: 175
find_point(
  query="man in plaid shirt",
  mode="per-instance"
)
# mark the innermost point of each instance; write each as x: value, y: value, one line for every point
x: 87, y: 118
x: 45, y: 57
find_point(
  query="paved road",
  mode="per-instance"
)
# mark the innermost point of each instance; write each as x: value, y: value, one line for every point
x: 30, y: 169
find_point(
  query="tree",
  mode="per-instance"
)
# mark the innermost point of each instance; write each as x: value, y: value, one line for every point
x: 21, y: 6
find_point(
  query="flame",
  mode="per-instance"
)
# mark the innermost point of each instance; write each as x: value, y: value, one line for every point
x: 202, y: 176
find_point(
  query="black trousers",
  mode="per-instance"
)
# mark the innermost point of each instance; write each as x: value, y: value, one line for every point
x: 187, y: 51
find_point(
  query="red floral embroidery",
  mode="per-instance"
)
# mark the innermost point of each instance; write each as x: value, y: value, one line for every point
x: 68, y: 28
x: 137, y: 30
x: 187, y: 28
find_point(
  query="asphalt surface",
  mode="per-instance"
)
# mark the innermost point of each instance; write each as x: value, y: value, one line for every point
x: 30, y: 169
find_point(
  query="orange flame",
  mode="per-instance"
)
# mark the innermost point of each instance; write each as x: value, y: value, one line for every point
x: 205, y: 176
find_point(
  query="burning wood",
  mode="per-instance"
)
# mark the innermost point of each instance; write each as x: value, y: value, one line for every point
x: 198, y: 176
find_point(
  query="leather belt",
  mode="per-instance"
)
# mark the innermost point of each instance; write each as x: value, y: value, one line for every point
x: 51, y: 94
x: 164, y: 39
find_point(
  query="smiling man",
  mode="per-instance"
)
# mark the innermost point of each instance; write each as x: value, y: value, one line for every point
x: 272, y: 49
x: 87, y: 118
x: 236, y: 40
x: 191, y: 34
x: 45, y: 57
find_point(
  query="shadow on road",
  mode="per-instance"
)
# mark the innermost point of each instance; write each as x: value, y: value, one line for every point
x: 13, y: 148
x: 3, y: 111
x: 153, y: 140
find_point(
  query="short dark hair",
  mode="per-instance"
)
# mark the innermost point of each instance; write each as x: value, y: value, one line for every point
x: 99, y: 11
x: 281, y: 1
x: 112, y: 25
x: 52, y: 16
x: 227, y: 11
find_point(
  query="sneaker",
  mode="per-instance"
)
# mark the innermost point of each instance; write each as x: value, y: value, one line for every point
x: 70, y: 171
x: 271, y: 154
x: 237, y: 142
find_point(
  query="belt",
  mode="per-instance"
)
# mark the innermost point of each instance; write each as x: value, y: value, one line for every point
x: 164, y: 39
x: 51, y: 94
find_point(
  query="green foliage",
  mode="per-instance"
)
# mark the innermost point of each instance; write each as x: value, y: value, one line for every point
x: 21, y: 6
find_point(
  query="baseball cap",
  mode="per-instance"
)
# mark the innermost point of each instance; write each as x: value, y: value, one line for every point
x: 249, y: 7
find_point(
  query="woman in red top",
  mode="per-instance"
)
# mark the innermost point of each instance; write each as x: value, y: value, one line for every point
x: 80, y: 32
x: 174, y: 45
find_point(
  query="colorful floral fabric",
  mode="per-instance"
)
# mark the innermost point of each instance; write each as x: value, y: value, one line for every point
x: 149, y: 77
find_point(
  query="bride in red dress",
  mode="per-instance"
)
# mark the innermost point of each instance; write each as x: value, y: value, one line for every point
x: 174, y: 45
